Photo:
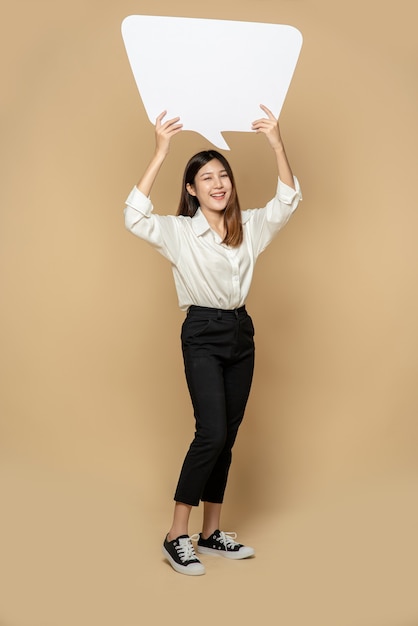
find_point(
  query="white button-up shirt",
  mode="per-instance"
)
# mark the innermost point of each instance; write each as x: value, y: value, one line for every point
x: 206, y: 271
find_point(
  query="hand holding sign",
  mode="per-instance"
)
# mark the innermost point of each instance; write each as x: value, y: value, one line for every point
x: 211, y: 73
x: 164, y: 131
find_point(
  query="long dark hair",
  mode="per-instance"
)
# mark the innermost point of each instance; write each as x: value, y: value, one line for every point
x: 189, y: 204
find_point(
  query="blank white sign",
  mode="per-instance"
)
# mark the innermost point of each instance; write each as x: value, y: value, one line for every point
x: 214, y: 74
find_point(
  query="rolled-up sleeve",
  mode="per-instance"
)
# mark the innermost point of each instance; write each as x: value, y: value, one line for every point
x: 136, y: 202
x: 287, y: 194
x: 265, y: 223
x: 158, y: 230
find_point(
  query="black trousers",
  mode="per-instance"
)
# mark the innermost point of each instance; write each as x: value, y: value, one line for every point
x: 218, y: 352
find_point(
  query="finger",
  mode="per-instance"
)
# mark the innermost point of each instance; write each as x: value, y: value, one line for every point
x: 267, y: 111
x: 174, y: 129
x: 264, y: 124
x: 160, y: 117
x: 264, y: 120
x: 169, y: 123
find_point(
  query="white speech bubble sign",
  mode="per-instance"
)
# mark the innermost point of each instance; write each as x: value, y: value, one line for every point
x: 214, y: 74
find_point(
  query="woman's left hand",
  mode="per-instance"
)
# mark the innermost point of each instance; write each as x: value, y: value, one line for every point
x: 270, y: 127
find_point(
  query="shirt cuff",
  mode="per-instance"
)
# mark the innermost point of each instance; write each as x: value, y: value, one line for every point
x: 139, y: 201
x: 287, y: 194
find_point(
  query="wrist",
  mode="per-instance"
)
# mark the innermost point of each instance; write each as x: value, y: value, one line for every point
x: 159, y: 155
x: 278, y: 147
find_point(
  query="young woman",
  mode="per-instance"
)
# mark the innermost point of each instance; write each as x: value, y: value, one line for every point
x: 212, y: 247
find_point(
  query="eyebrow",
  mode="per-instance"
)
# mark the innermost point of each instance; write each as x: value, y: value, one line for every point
x: 211, y: 172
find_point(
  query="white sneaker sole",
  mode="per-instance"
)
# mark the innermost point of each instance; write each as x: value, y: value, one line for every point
x: 244, y: 553
x: 195, y: 569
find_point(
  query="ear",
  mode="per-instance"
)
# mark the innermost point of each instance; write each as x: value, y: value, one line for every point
x: 190, y: 189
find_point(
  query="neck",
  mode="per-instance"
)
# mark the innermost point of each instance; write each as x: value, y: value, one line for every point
x: 216, y: 221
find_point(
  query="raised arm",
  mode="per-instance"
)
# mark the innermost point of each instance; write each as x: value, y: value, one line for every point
x: 270, y: 127
x: 163, y: 134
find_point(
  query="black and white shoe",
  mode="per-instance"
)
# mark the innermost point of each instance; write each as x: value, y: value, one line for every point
x: 182, y: 557
x: 223, y: 544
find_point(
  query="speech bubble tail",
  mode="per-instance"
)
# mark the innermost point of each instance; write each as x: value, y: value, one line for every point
x: 217, y: 140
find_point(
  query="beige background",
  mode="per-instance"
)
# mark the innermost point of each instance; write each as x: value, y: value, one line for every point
x: 95, y: 416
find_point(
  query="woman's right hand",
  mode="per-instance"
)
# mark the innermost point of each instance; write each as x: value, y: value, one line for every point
x: 164, y: 131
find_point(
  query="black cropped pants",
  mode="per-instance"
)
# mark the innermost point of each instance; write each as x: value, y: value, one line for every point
x: 218, y: 352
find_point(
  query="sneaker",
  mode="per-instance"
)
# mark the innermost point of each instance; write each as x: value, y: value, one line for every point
x: 182, y: 557
x: 223, y: 544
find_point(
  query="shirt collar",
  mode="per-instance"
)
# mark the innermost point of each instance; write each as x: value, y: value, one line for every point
x: 200, y: 223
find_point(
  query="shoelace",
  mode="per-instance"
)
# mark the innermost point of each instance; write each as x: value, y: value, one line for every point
x: 227, y: 539
x: 185, y: 549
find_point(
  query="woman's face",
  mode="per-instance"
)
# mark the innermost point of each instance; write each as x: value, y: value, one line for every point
x: 212, y: 187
